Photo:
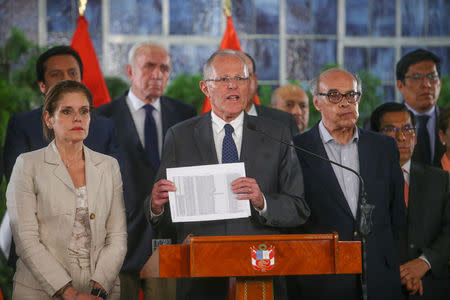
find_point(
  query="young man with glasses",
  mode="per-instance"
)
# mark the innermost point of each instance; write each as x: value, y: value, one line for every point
x: 425, y: 244
x: 333, y: 193
x: 419, y: 81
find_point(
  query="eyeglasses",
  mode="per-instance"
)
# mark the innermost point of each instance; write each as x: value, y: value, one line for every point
x: 336, y: 97
x: 407, y: 130
x: 239, y: 80
x: 432, y: 77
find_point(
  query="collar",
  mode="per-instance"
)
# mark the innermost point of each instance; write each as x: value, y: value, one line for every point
x: 252, y: 111
x: 407, y: 167
x: 137, y: 103
x: 236, y: 123
x: 429, y: 113
x: 327, y: 137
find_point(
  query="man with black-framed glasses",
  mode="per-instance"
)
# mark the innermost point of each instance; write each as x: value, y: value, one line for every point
x: 425, y: 244
x: 419, y: 81
x: 334, y: 193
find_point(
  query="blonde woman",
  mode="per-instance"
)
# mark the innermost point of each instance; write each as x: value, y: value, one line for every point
x: 66, y: 207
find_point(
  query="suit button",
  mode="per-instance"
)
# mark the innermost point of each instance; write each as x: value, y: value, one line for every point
x: 92, y: 216
x: 411, y: 246
x: 355, y: 234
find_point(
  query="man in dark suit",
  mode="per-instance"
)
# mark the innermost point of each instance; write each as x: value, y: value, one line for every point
x: 419, y: 81
x: 142, y: 118
x: 24, y: 132
x: 292, y: 99
x: 333, y: 193
x: 274, y: 183
x: 425, y: 244
x: 260, y: 110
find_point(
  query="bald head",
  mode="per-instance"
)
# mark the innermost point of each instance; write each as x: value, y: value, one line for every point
x: 292, y: 99
x: 336, y: 95
x: 148, y: 69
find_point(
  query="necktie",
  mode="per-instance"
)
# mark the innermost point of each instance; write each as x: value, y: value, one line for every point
x: 229, y: 151
x: 406, y: 188
x: 423, y: 139
x: 151, y: 137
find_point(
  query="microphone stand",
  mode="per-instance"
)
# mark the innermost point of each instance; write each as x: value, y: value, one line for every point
x: 365, y: 219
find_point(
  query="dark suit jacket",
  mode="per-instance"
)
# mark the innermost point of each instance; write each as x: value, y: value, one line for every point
x: 439, y: 148
x: 428, y: 229
x: 278, y: 115
x: 273, y: 165
x: 25, y: 134
x: 138, y: 173
x: 379, y: 167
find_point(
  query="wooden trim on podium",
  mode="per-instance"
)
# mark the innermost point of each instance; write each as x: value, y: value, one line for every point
x: 230, y: 256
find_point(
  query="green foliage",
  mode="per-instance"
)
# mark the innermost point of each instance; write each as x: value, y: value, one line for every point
x: 116, y: 86
x: 444, y: 96
x: 186, y: 88
x: 265, y: 94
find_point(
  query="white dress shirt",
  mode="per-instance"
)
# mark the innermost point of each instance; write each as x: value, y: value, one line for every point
x: 252, y: 111
x: 137, y: 110
x: 348, y: 156
x: 219, y: 133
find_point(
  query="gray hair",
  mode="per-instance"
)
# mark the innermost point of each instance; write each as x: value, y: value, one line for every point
x: 137, y: 46
x: 314, y: 83
x: 207, y: 67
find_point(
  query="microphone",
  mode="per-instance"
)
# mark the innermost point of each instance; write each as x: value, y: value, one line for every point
x: 365, y: 222
x: 366, y: 208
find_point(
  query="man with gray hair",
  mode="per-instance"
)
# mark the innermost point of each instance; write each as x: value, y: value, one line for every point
x: 142, y: 118
x: 273, y: 186
x: 334, y: 194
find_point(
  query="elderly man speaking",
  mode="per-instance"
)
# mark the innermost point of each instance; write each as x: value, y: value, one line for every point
x: 274, y: 183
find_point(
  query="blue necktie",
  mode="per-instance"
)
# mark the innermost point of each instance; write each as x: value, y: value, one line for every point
x: 151, y: 137
x: 229, y: 151
x: 423, y: 139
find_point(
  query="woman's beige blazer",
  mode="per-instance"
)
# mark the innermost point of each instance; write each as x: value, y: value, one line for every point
x: 41, y: 204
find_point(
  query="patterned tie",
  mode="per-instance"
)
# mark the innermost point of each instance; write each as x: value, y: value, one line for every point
x: 151, y: 137
x: 423, y: 139
x: 229, y: 151
x: 406, y: 187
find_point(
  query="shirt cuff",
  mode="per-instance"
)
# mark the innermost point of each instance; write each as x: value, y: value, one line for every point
x: 262, y: 212
x: 155, y: 216
x: 424, y: 258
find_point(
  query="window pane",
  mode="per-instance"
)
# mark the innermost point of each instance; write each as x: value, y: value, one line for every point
x: 382, y: 18
x: 201, y: 17
x: 389, y: 93
x: 413, y: 18
x: 324, y: 12
x: 438, y: 11
x: 305, y: 58
x: 135, y: 17
x: 119, y: 58
x: 311, y: 17
x: 21, y: 14
x: 357, y: 14
x: 256, y: 16
x: 266, y: 54
x: 356, y: 59
x: 382, y: 63
x: 189, y: 59
x: 60, y: 16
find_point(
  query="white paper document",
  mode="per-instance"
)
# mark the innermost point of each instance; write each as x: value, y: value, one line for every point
x: 204, y: 193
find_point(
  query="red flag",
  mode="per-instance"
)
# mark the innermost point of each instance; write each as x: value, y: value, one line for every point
x: 92, y: 74
x: 230, y: 40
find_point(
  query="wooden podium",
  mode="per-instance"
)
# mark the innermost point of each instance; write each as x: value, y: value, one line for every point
x: 252, y: 261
